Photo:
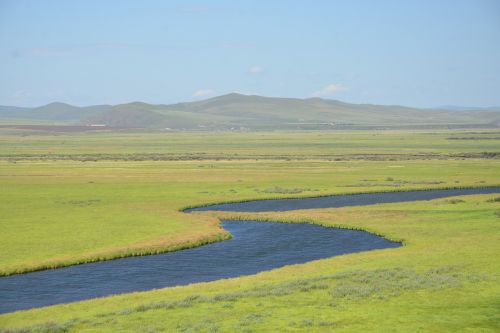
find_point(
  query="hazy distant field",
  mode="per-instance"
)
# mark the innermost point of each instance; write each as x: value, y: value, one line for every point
x: 69, y: 198
x: 225, y: 145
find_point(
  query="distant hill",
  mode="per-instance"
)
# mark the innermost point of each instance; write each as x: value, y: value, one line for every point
x: 54, y: 111
x: 469, y: 108
x: 237, y: 111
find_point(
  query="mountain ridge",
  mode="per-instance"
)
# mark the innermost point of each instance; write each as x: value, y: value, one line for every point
x: 239, y: 111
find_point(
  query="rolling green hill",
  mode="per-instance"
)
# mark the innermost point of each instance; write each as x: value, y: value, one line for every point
x: 240, y: 112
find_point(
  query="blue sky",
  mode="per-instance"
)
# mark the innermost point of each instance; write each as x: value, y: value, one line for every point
x: 419, y: 53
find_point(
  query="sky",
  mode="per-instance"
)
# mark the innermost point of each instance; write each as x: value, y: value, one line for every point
x: 422, y: 53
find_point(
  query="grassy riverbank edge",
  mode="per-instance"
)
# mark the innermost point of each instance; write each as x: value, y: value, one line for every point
x: 220, y: 235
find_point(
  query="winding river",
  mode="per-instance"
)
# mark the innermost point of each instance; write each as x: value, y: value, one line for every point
x: 254, y: 247
x: 345, y: 200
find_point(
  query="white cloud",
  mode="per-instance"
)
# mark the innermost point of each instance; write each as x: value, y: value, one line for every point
x: 20, y: 97
x: 203, y: 93
x: 255, y: 70
x: 329, y: 90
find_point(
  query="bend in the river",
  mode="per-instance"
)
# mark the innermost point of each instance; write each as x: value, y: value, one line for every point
x: 255, y: 247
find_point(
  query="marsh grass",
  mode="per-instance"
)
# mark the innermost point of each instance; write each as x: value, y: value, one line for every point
x: 455, y: 201
x: 81, y: 203
x: 282, y: 190
x: 47, y: 327
x: 350, y: 286
x: 389, y: 283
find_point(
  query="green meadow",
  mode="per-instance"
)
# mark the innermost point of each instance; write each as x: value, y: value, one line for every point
x: 70, y: 198
x: 17, y: 144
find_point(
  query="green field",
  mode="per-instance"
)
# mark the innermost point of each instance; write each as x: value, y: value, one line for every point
x: 18, y: 144
x: 79, y: 197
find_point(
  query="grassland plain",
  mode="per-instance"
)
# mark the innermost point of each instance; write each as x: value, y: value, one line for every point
x: 19, y: 144
x: 57, y: 212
